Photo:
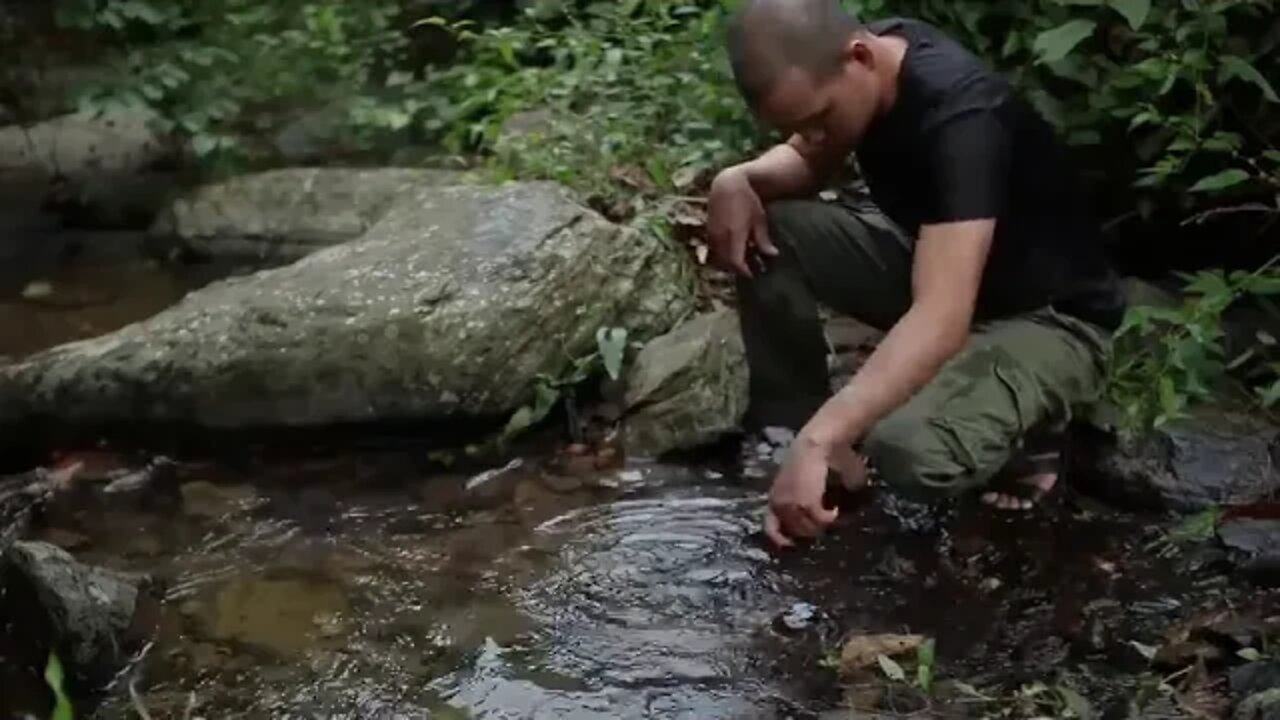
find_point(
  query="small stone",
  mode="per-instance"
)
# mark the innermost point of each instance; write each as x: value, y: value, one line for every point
x: 800, y: 616
x: 991, y: 584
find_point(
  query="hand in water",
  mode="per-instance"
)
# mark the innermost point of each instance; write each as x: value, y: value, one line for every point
x: 795, y: 500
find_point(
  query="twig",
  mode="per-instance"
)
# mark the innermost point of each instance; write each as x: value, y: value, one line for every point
x: 1213, y: 212
x: 136, y: 699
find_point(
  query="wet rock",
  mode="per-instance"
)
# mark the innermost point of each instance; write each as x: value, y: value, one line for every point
x: 279, y: 216
x: 1217, y: 457
x: 1254, y: 545
x: 450, y: 305
x: 799, y: 617
x: 687, y: 388
x: 94, y: 612
x: 1260, y: 706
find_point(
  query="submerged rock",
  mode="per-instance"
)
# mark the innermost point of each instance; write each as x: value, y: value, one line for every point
x: 688, y: 387
x: 450, y: 305
x: 281, y: 215
x: 94, y: 612
x: 1216, y: 457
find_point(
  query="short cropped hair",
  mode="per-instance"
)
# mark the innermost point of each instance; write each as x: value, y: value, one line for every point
x: 767, y: 38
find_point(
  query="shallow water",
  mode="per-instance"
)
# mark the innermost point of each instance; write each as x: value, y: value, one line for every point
x: 364, y: 584
x: 363, y: 587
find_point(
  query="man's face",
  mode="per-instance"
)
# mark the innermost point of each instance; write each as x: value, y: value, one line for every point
x: 834, y: 112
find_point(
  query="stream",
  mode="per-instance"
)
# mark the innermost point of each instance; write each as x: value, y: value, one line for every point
x: 370, y: 584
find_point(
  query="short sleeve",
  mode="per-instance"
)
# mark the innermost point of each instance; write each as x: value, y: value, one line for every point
x: 968, y: 160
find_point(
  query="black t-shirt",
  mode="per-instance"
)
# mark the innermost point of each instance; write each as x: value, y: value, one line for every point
x: 959, y: 144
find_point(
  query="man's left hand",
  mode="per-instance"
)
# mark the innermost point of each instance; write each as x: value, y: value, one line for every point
x: 795, y: 501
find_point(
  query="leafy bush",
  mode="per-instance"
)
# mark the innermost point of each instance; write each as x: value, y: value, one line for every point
x: 634, y: 95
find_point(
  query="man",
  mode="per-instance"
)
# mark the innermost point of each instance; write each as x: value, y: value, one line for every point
x: 993, y: 288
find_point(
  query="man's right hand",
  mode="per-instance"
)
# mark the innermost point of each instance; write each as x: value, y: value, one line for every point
x: 736, y: 225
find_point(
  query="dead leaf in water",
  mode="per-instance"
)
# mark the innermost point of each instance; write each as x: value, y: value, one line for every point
x: 861, y: 651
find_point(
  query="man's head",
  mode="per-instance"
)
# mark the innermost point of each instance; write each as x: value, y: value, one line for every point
x: 806, y: 67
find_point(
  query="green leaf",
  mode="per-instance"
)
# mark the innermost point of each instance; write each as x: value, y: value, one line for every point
x: 1076, y: 703
x: 1220, y: 181
x: 53, y: 676
x: 1053, y: 45
x: 1134, y: 11
x: 1249, y: 654
x: 1147, y: 651
x: 924, y: 665
x: 892, y: 670
x: 1237, y: 67
x: 613, y: 346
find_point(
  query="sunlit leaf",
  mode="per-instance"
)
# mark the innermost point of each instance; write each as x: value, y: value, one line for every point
x: 54, y: 677
x: 1055, y: 44
x: 1134, y: 11
x: 612, y: 343
x: 1238, y: 67
x: 1220, y: 181
x: 891, y: 669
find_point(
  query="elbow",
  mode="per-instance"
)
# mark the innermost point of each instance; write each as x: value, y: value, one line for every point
x: 949, y: 328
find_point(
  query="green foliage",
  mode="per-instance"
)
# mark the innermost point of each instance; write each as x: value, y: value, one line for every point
x: 632, y: 96
x: 548, y: 391
x: 53, y: 676
x: 222, y: 73
x: 1168, y: 358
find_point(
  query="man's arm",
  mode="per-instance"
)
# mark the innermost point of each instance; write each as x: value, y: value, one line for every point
x: 961, y: 199
x: 949, y: 261
x: 795, y: 168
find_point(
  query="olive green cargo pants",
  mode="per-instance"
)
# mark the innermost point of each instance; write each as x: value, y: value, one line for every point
x: 1017, y: 375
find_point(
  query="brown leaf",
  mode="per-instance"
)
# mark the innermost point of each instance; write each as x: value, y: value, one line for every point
x: 861, y: 651
x: 631, y: 176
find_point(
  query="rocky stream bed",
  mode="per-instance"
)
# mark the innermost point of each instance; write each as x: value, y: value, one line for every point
x: 348, y: 578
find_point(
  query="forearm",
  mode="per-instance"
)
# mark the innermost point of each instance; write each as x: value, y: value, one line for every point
x: 781, y: 172
x: 910, y: 355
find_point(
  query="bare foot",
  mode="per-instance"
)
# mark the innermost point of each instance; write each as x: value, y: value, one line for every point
x: 1038, y: 486
x: 852, y: 467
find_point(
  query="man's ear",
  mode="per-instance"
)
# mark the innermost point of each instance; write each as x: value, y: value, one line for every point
x: 857, y: 50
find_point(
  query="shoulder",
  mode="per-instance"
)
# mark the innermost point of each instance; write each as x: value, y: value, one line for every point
x: 943, y: 78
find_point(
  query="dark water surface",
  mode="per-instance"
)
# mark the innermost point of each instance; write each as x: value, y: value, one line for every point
x: 363, y: 587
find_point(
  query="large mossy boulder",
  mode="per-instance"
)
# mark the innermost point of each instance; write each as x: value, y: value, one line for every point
x: 451, y: 304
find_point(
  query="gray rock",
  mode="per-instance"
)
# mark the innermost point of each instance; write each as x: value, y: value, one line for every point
x: 92, y: 610
x: 1255, y: 548
x: 1214, y: 458
x: 281, y: 215
x: 1260, y: 706
x: 688, y: 387
x: 82, y: 145
x: 451, y: 304
x: 1255, y: 677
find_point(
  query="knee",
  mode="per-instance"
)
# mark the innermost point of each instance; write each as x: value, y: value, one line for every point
x: 912, y: 454
x: 786, y: 219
